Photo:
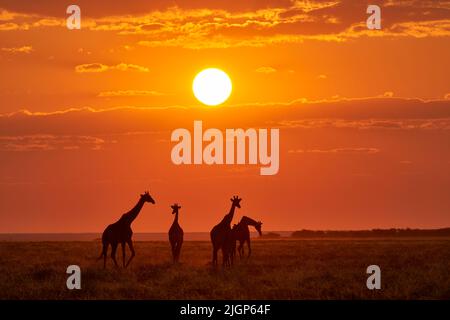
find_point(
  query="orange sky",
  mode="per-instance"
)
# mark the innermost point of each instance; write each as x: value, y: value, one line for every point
x: 86, y: 115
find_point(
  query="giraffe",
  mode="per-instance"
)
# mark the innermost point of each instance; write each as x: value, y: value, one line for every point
x: 221, y: 231
x: 176, y: 234
x: 120, y: 232
x: 229, y: 247
x: 242, y: 234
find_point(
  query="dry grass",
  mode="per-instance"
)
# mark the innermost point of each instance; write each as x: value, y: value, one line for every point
x: 294, y: 269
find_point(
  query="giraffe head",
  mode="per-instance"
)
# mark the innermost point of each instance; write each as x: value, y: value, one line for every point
x: 175, y: 208
x: 236, y: 201
x: 258, y: 227
x: 147, y: 197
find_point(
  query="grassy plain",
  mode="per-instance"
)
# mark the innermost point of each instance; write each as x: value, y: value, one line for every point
x: 278, y: 269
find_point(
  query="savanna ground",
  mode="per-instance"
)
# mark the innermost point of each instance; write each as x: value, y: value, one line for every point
x: 278, y: 269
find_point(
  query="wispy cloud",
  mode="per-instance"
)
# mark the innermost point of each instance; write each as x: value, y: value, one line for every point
x: 130, y: 93
x: 91, y: 67
x: 366, y: 124
x: 129, y: 67
x: 351, y: 150
x: 23, y: 49
x: 266, y: 70
x: 308, y: 6
x: 100, y: 67
x: 46, y: 142
x: 9, y: 26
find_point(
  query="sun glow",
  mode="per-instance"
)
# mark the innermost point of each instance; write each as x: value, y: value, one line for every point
x: 212, y: 86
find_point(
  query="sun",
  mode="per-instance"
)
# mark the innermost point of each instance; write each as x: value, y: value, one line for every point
x: 212, y: 86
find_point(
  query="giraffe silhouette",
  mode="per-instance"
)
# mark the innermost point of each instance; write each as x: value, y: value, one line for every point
x: 242, y: 233
x: 120, y: 232
x: 222, y: 231
x: 176, y: 234
x: 229, y: 247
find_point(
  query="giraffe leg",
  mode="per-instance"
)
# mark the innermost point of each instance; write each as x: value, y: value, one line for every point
x: 249, y: 248
x: 178, y: 251
x: 174, y: 251
x: 230, y: 258
x: 105, y: 253
x: 241, y: 249
x: 113, y: 253
x: 225, y: 258
x: 123, y: 253
x: 214, y: 260
x: 172, y: 246
x: 130, y: 245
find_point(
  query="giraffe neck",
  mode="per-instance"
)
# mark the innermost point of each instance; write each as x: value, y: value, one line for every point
x: 229, y: 217
x: 133, y: 213
x: 248, y: 221
x: 175, y: 220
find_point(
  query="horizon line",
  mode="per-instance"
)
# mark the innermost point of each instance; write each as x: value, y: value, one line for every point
x: 206, y: 231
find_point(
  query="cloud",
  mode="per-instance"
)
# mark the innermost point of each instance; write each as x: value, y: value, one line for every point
x: 130, y: 93
x: 422, y: 4
x: 421, y: 29
x: 99, y: 67
x: 307, y: 6
x: 130, y: 67
x: 6, y: 15
x: 223, y: 26
x: 266, y: 70
x: 447, y: 96
x: 321, y: 76
x: 359, y: 150
x: 12, y: 21
x: 347, y: 114
x: 369, y: 124
x: 91, y: 67
x: 10, y: 26
x: 47, y: 142
x: 23, y: 49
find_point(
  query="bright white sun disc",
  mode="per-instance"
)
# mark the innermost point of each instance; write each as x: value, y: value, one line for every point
x: 212, y: 86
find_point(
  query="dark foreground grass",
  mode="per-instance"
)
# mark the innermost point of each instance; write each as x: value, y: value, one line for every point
x: 285, y: 269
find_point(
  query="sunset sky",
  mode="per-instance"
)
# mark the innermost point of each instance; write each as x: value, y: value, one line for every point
x: 86, y: 115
